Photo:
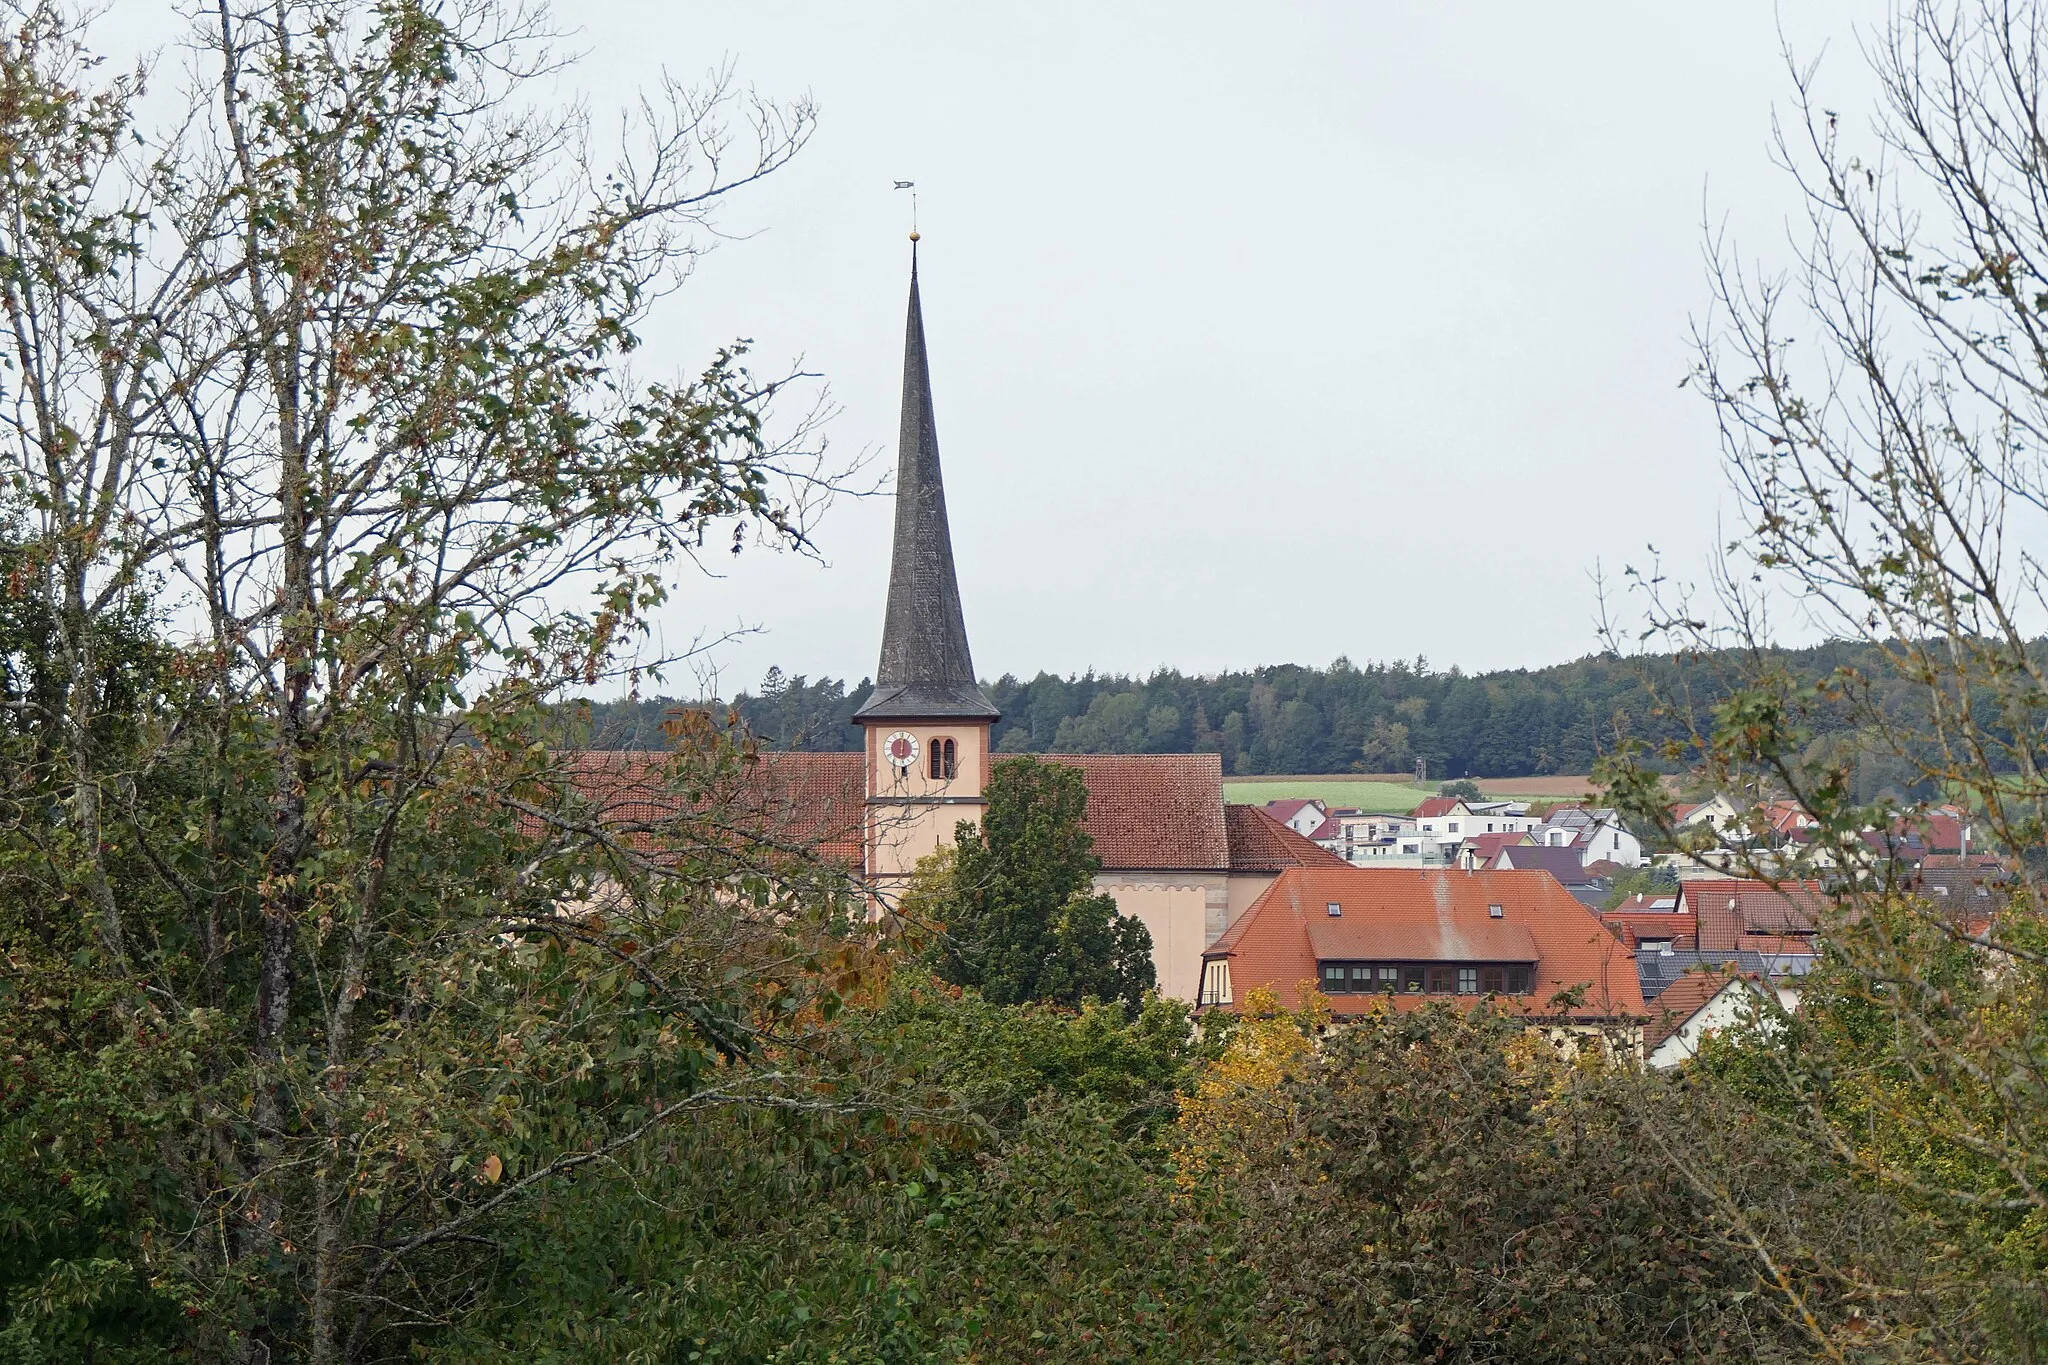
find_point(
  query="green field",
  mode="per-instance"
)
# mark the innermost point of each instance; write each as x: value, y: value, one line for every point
x: 1344, y: 791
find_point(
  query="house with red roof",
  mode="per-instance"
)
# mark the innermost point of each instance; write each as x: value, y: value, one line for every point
x: 1698, y: 1005
x: 1742, y: 913
x: 1480, y: 850
x: 1717, y: 813
x: 1649, y: 931
x: 1303, y: 815
x: 1376, y: 938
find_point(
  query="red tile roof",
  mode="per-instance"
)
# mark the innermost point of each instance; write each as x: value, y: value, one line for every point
x: 1145, y: 811
x: 785, y: 800
x: 1788, y: 816
x: 1730, y: 907
x: 1287, y: 809
x: 1633, y: 926
x: 1681, y: 1000
x: 1392, y: 914
x: 1435, y: 806
x: 1259, y: 843
x: 1486, y: 845
x: 1154, y: 811
x: 1941, y: 827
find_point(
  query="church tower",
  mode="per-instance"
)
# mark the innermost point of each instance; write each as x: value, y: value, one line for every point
x: 927, y: 723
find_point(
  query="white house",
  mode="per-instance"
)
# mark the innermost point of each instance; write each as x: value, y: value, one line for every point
x: 1695, y: 1006
x: 1717, y: 813
x: 1303, y: 816
x: 1500, y: 817
x: 1596, y: 832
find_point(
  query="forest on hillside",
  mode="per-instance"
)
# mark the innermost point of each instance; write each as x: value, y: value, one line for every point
x: 1290, y: 718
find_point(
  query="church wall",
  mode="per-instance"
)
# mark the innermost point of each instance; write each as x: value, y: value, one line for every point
x: 1245, y: 887
x: 1177, y: 908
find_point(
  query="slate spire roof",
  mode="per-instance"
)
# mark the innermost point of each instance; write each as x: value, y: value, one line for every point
x: 925, y: 673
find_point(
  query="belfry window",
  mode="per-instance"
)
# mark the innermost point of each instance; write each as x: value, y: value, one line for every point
x: 945, y: 759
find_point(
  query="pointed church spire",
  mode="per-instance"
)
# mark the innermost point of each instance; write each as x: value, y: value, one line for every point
x: 925, y: 673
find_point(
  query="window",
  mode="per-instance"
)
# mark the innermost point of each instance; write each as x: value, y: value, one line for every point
x: 1336, y: 978
x: 1518, y: 981
x: 1451, y: 828
x: 1443, y: 980
x: 1468, y: 981
x: 1497, y: 911
x: 1215, y: 982
x: 945, y: 760
x: 1492, y: 980
x: 1361, y: 979
x: 1411, y: 980
x: 1335, y: 909
x: 1389, y: 978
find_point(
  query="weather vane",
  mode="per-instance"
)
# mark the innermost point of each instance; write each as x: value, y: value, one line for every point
x: 911, y: 185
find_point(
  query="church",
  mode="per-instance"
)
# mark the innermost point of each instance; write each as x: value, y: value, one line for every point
x: 1173, y: 853
x: 1233, y: 898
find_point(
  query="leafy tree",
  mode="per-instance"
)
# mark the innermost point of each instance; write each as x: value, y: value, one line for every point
x: 1882, y: 415
x: 1464, y: 789
x: 1022, y: 919
x: 1010, y: 1207
x: 320, y: 965
x: 1385, y: 749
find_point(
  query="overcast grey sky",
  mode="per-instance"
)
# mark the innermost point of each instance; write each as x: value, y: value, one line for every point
x: 1260, y: 333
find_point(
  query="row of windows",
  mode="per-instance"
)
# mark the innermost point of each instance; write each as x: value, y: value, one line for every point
x: 1416, y: 978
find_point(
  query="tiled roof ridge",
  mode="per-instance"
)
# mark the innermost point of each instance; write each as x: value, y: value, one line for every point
x: 1259, y: 843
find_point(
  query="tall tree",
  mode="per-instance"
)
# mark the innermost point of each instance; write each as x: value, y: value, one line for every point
x: 328, y: 373
x: 1884, y: 410
x: 1022, y: 919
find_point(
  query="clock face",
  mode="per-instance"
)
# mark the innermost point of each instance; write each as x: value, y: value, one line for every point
x: 900, y: 748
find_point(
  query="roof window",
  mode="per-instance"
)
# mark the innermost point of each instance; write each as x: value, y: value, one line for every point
x: 1497, y: 911
x: 1336, y: 909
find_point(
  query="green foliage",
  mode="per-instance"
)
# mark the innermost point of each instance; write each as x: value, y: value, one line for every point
x: 1453, y: 1192
x: 997, y: 1059
x: 1294, y: 719
x: 1899, y: 1060
x: 1464, y: 788
x: 1022, y: 920
x: 999, y: 1211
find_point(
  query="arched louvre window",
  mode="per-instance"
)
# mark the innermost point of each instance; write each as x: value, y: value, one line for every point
x: 945, y: 761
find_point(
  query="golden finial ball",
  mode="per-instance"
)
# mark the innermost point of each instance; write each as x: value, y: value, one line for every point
x: 913, y: 235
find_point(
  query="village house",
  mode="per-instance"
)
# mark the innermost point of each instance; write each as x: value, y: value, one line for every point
x: 1741, y: 913
x: 1597, y: 833
x: 1716, y: 813
x: 1563, y: 863
x: 1372, y: 827
x: 1480, y: 850
x: 1303, y: 816
x: 1375, y: 938
x: 1696, y: 1006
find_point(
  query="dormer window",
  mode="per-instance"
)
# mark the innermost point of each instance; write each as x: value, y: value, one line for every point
x: 945, y: 762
